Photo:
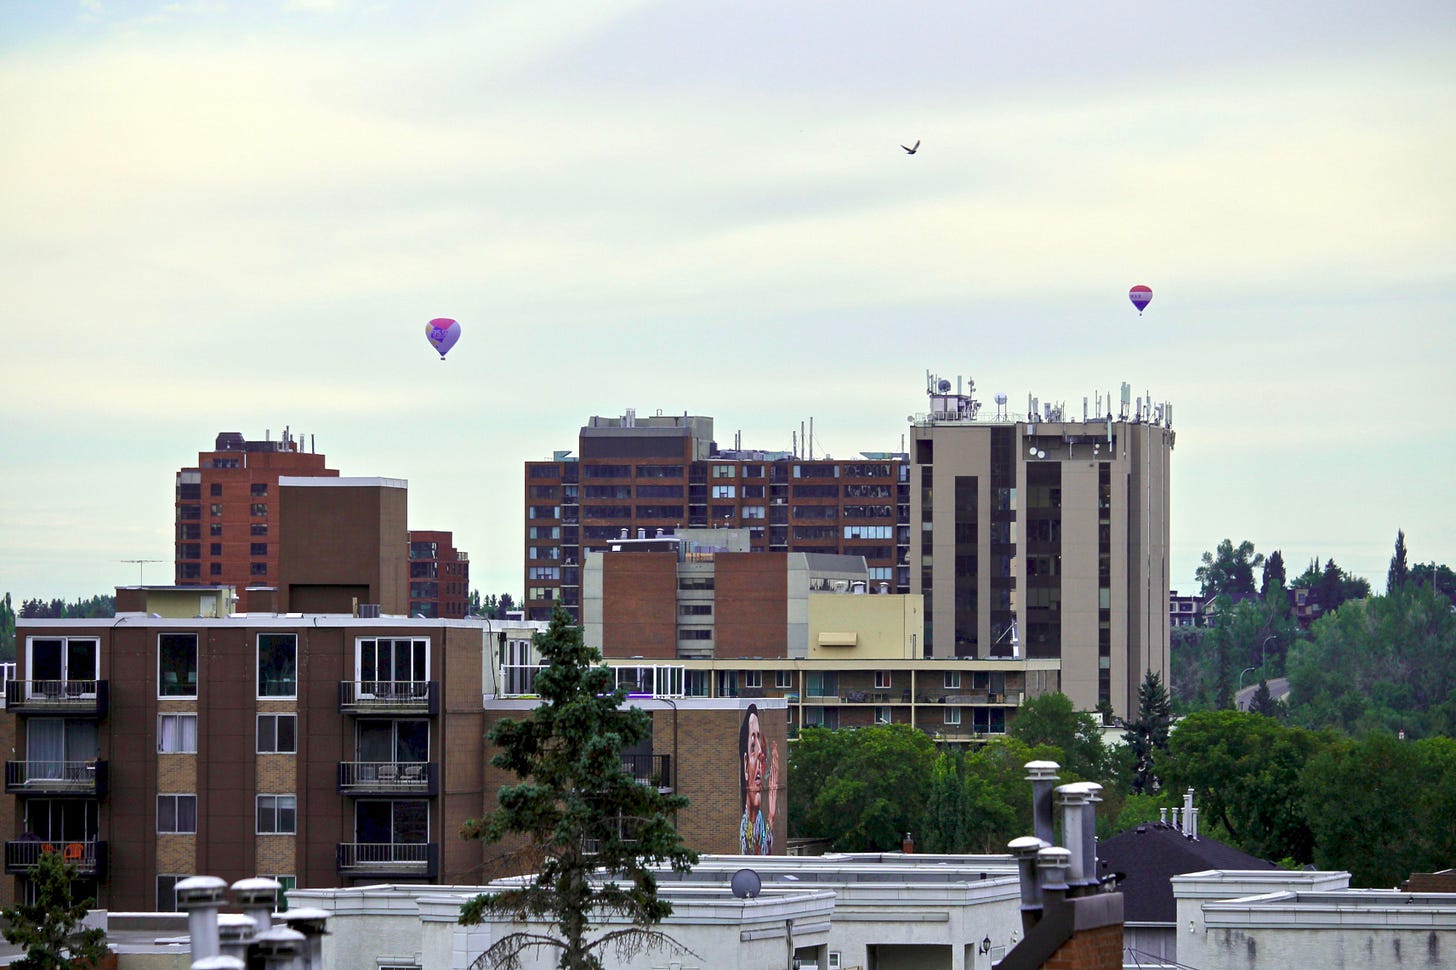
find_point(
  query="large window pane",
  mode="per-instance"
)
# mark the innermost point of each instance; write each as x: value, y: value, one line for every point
x: 177, y: 664
x: 277, y: 665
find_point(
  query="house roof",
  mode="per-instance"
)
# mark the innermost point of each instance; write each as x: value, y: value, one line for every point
x: 1150, y: 855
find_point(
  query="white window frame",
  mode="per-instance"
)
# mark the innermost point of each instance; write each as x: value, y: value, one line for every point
x: 415, y: 643
x: 883, y: 679
x: 952, y: 680
x: 279, y: 804
x: 177, y: 800
x: 67, y: 674
x: 753, y: 679
x: 172, y: 889
x: 180, y: 732
x: 258, y: 734
x: 784, y: 679
x: 952, y: 716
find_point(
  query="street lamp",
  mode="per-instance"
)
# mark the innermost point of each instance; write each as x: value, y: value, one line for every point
x: 1264, y: 646
x: 1241, y: 675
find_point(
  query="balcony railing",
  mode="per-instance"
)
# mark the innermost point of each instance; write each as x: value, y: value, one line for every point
x: 85, y: 697
x: 85, y: 779
x: 388, y: 778
x: 389, y: 697
x: 23, y: 855
x: 653, y: 680
x: 386, y: 860
x: 650, y: 769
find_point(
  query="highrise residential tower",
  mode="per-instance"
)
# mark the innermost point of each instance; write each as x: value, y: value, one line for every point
x: 1045, y: 534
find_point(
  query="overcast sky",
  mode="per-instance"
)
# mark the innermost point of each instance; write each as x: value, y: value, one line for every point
x: 239, y: 216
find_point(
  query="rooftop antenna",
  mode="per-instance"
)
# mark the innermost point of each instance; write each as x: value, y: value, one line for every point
x: 141, y: 565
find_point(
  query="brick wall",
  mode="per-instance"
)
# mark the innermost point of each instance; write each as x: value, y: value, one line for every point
x: 1094, y: 949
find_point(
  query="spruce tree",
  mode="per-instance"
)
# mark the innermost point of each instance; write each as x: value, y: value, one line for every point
x: 48, y: 928
x: 597, y: 831
x: 1147, y: 736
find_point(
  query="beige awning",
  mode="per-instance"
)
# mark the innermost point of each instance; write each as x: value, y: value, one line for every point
x: 827, y: 639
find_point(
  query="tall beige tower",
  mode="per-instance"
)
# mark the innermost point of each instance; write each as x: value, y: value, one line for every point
x: 1044, y: 535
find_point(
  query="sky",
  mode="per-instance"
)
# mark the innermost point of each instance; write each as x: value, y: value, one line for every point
x: 228, y: 216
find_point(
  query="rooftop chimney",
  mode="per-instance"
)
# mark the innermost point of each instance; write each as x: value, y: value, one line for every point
x: 257, y: 896
x: 1025, y: 850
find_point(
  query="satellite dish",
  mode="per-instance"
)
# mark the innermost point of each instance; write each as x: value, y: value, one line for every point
x: 1000, y: 398
x: 746, y: 884
x: 944, y: 386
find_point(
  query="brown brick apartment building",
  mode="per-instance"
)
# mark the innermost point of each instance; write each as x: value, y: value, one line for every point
x: 645, y: 474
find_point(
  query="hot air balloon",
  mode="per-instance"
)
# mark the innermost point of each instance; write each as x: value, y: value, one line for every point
x: 442, y: 333
x: 1140, y: 296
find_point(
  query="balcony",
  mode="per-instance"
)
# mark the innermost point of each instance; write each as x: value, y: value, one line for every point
x: 403, y: 697
x: 650, y: 769
x: 389, y: 778
x: 388, y: 860
x: 24, y: 855
x: 81, y: 779
x: 80, y: 697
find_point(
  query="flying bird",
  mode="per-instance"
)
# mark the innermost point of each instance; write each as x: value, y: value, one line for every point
x: 912, y: 151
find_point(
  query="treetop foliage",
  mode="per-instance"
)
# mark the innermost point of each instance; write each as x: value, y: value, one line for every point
x: 49, y: 928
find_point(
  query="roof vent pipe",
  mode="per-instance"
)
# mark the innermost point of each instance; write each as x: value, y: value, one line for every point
x: 1043, y: 778
x: 280, y: 948
x: 1072, y: 799
x: 201, y: 897
x: 1175, y: 810
x: 1089, y: 831
x: 1025, y: 850
x: 257, y: 896
x: 235, y: 931
x: 1188, y: 813
x: 312, y: 923
x: 1163, y: 815
x: 1193, y: 829
x: 1051, y: 866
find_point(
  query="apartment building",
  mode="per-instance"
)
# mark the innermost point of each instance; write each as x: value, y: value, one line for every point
x: 808, y: 630
x: 229, y: 527
x: 227, y: 510
x: 1047, y: 531
x: 665, y: 472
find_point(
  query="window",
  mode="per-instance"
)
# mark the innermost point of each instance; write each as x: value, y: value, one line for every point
x: 177, y: 733
x: 883, y: 715
x: 784, y: 679
x: 386, y: 823
x: 214, y: 569
x: 392, y: 741
x: 167, y: 890
x: 214, y: 490
x: 177, y: 665
x: 724, y: 491
x: 58, y: 748
x: 176, y: 814
x: 214, y: 529
x: 390, y: 660
x: 277, y: 665
x: 277, y: 815
x: 952, y: 715
x: 285, y: 883
x: 952, y: 680
x: 258, y: 569
x: 258, y: 549
x: 213, y: 549
x: 753, y: 678
x: 258, y: 489
x: 752, y: 512
x: 882, y: 680
x: 277, y: 733
x: 258, y: 509
x: 215, y: 510
x: 63, y: 665
x: 258, y: 529
x: 695, y: 609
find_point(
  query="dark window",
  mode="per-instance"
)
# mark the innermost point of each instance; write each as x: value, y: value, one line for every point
x: 259, y: 508
x: 215, y: 490
x: 258, y: 549
x: 258, y: 569
x: 258, y: 529
x: 258, y: 489
x: 277, y: 664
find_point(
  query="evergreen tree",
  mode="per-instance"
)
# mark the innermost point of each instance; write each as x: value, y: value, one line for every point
x: 48, y: 928
x: 596, y: 829
x: 1147, y: 737
x: 1264, y: 703
x: 7, y: 630
x: 1274, y: 577
x: 1398, y: 572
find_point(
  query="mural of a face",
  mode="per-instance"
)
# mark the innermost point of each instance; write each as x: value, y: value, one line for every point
x: 758, y: 784
x: 755, y: 765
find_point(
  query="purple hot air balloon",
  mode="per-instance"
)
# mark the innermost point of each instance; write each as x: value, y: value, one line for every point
x: 1140, y: 296
x: 442, y: 333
